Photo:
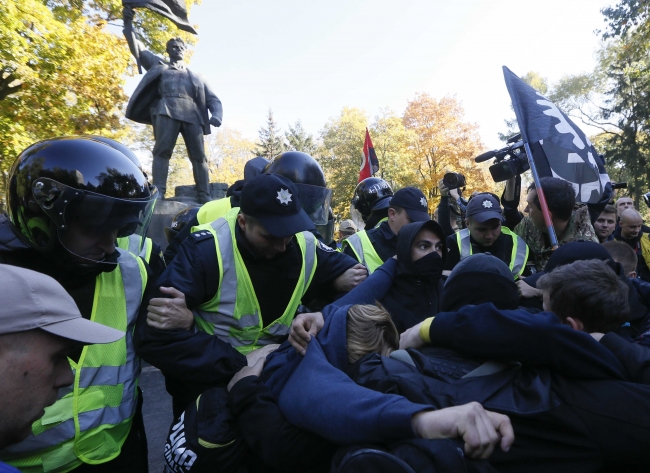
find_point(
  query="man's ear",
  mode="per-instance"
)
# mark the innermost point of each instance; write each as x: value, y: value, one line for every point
x: 632, y: 274
x: 576, y: 324
x: 241, y: 220
x: 391, y: 212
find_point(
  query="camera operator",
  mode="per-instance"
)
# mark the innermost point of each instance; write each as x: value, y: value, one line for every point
x: 451, y: 212
x: 484, y: 234
x: 569, y: 225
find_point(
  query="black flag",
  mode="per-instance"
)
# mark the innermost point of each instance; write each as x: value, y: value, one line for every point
x: 173, y: 10
x: 559, y: 147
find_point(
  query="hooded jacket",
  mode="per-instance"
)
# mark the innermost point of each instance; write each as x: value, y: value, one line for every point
x: 415, y: 292
x: 315, y: 393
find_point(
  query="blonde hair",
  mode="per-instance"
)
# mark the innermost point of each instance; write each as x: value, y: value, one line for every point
x: 370, y: 329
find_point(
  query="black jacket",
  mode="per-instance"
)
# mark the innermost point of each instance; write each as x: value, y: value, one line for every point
x: 414, y: 294
x: 571, y: 406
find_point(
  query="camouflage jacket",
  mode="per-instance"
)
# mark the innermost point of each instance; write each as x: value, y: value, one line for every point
x: 579, y: 228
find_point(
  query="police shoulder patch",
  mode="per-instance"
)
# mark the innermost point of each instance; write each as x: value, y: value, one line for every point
x: 324, y: 247
x: 201, y: 235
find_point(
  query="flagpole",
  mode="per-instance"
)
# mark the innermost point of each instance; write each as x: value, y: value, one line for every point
x: 542, y: 199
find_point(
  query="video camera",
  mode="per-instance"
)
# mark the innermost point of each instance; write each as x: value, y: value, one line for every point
x: 510, y: 161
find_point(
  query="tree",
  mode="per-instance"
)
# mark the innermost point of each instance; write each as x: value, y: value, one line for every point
x: 297, y: 139
x: 270, y: 143
x: 444, y: 143
x: 340, y: 156
x: 227, y: 151
x: 615, y: 96
x: 62, y: 71
x: 394, y: 148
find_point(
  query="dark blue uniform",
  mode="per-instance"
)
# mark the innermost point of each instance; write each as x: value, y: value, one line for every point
x: 193, y: 361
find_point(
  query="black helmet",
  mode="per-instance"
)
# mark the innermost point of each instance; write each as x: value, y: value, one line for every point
x: 125, y: 150
x: 254, y: 167
x: 179, y: 221
x: 61, y: 182
x: 298, y: 167
x: 315, y: 197
x: 370, y: 194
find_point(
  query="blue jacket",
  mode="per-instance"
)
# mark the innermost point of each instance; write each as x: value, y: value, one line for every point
x: 316, y: 394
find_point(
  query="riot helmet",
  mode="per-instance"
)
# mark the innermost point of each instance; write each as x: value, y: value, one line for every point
x: 180, y: 220
x: 371, y: 194
x: 125, y: 150
x: 68, y: 192
x: 304, y: 171
x: 254, y: 167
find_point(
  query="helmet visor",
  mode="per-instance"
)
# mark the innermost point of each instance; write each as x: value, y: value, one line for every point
x: 87, y: 221
x: 357, y: 218
x: 315, y: 201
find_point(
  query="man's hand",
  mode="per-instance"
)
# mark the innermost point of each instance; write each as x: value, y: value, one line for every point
x: 528, y: 291
x: 261, y: 353
x: 351, y: 278
x: 169, y: 314
x: 303, y: 327
x: 127, y: 14
x: 411, y: 338
x: 443, y: 189
x: 255, y: 370
x: 214, y: 121
x: 481, y: 430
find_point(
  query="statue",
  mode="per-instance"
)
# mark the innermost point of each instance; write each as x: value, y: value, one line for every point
x: 173, y: 100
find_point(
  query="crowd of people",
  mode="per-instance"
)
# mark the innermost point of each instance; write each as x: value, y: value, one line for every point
x: 405, y: 344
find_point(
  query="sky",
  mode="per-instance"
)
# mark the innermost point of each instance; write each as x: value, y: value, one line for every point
x: 306, y: 60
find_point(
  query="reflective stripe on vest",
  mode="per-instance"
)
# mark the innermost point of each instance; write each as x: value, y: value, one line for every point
x: 518, y: 257
x: 210, y: 211
x: 233, y: 314
x: 132, y: 244
x: 91, y: 420
x: 363, y: 249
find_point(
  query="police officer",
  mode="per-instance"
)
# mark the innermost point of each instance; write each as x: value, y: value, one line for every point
x: 369, y: 205
x: 69, y: 200
x: 141, y: 246
x: 376, y: 245
x: 243, y: 277
x: 300, y: 168
x: 485, y: 234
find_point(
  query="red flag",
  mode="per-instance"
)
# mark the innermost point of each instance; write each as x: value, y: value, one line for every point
x: 370, y: 163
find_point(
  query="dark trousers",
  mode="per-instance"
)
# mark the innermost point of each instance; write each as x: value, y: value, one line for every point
x: 166, y: 132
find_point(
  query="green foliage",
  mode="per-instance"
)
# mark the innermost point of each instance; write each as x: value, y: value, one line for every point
x: 62, y: 71
x: 626, y: 16
x: 394, y: 148
x: 270, y: 143
x: 340, y: 156
x: 615, y: 98
x: 297, y: 139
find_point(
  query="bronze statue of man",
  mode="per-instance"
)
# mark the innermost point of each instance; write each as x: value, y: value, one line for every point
x: 173, y: 100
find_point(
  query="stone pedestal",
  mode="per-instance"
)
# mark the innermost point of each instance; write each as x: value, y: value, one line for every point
x: 188, y: 193
x: 184, y: 196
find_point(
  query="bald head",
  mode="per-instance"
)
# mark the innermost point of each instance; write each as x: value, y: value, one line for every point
x: 624, y: 203
x: 631, y: 222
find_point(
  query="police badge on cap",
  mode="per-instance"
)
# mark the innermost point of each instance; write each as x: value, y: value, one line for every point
x: 273, y: 200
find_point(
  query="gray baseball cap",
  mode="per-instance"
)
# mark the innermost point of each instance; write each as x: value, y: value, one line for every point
x: 32, y: 300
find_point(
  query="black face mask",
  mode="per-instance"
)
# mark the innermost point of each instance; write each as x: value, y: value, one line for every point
x: 429, y: 266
